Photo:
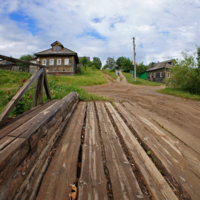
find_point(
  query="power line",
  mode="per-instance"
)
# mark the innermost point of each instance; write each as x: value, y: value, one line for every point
x: 178, y: 10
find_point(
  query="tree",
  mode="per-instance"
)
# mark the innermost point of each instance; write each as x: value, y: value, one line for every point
x: 151, y: 64
x: 105, y: 66
x: 127, y: 65
x: 119, y: 61
x: 198, y: 57
x: 141, y: 68
x: 110, y: 62
x: 97, y: 62
x: 185, y: 75
x: 84, y: 61
x: 27, y: 58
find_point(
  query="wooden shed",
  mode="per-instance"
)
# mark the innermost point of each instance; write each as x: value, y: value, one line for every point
x: 58, y: 60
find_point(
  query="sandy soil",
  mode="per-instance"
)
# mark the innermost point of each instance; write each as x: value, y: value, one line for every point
x: 179, y: 116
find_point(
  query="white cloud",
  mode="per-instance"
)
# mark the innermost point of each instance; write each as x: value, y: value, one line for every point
x: 163, y: 28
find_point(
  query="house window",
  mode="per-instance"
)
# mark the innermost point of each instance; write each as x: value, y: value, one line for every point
x: 66, y: 61
x: 154, y: 75
x: 44, y: 61
x: 51, y: 61
x: 160, y: 74
x: 58, y: 61
x: 168, y: 74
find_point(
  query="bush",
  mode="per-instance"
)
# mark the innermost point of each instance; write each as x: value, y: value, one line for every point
x: 185, y: 75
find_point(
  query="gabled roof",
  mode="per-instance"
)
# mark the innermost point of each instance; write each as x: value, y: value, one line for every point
x: 161, y: 65
x: 63, y: 51
x: 56, y: 43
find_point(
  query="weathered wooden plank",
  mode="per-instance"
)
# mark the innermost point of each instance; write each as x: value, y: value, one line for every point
x: 155, y: 181
x: 10, y: 106
x: 63, y: 168
x: 11, y: 156
x: 24, y: 118
x: 6, y: 141
x: 92, y: 183
x: 32, y: 129
x: 124, y: 183
x: 179, y: 161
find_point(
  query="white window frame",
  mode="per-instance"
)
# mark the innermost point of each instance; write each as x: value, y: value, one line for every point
x: 44, y: 62
x: 58, y: 60
x: 160, y: 74
x: 50, y: 62
x: 67, y: 59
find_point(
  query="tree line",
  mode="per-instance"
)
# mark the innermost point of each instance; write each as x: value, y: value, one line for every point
x: 125, y: 64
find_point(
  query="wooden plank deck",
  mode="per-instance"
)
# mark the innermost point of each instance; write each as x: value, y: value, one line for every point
x: 83, y: 150
x: 179, y: 160
x: 92, y: 183
x: 63, y: 168
x: 124, y: 183
x: 155, y: 181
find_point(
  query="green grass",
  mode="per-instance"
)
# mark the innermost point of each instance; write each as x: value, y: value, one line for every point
x: 179, y: 93
x: 11, y: 79
x: 111, y: 73
x: 60, y: 86
x: 140, y: 81
x: 89, y: 76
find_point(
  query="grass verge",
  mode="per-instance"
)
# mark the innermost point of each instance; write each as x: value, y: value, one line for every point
x: 111, y: 73
x: 140, y: 81
x: 179, y: 93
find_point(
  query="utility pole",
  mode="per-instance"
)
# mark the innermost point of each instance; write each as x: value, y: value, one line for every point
x: 134, y: 69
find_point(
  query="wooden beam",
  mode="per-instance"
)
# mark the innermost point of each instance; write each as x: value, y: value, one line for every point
x: 20, y: 61
x: 10, y: 106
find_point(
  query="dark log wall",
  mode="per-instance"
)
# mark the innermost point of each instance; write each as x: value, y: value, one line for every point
x: 24, y: 152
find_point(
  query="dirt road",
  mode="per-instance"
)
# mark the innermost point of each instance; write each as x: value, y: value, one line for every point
x: 179, y: 116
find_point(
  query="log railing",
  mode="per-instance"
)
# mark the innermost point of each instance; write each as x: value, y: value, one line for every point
x: 38, y: 96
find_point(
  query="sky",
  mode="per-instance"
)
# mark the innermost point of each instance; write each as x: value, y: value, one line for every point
x: 162, y: 28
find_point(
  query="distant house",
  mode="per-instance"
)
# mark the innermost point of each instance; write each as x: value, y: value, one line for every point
x: 159, y: 71
x: 58, y: 60
x: 7, y: 65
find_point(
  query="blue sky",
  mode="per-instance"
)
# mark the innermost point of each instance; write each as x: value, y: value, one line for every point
x: 162, y: 29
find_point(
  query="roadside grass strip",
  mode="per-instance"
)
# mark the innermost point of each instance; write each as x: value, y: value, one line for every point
x: 179, y: 93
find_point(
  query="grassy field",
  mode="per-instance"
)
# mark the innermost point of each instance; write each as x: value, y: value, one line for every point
x: 89, y: 76
x: 179, y: 93
x: 111, y: 73
x: 59, y: 86
x: 139, y: 81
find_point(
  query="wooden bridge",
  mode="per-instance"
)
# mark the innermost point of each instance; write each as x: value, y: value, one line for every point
x: 66, y: 149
